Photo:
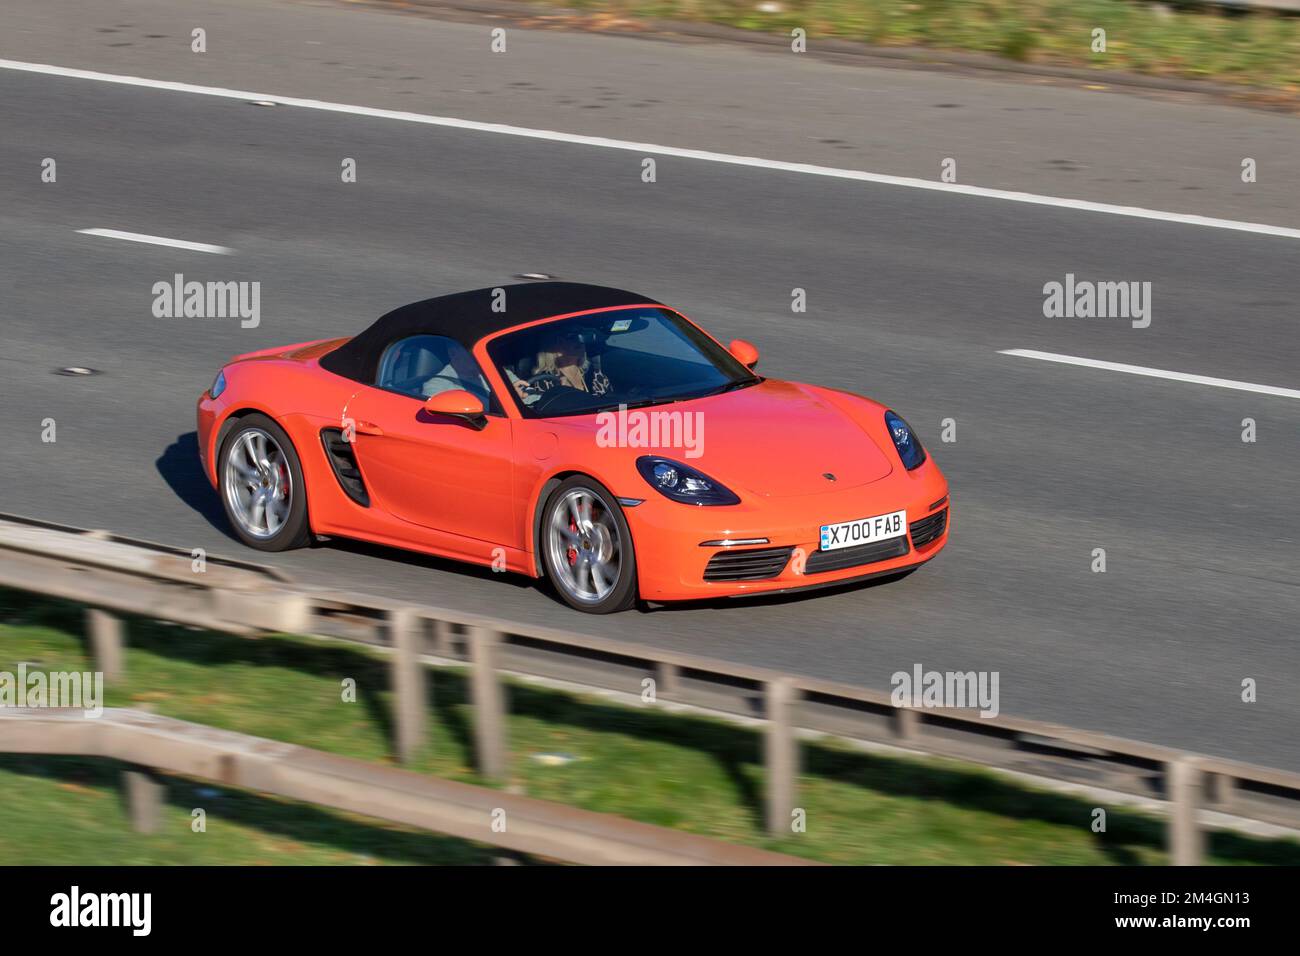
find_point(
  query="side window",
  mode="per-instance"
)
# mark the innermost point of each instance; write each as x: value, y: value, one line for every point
x: 424, y: 365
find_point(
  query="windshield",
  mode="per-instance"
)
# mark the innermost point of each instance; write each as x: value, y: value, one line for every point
x: 597, y: 362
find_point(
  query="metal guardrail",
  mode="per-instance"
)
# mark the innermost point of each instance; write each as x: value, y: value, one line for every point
x: 516, y: 823
x: 526, y: 8
x: 113, y: 576
x: 1284, y: 6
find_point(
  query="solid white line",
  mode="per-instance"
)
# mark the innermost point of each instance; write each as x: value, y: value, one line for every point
x: 1133, y: 212
x: 1154, y: 373
x: 156, y: 240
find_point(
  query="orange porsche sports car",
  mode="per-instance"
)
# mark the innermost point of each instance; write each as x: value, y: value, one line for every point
x: 579, y: 433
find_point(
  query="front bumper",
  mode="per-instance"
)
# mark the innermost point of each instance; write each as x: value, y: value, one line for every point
x: 673, y: 566
x: 209, y: 412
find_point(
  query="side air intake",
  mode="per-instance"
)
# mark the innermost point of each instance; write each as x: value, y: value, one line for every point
x: 344, y: 462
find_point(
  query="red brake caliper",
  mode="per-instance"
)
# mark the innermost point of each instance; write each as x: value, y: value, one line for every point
x: 572, y: 553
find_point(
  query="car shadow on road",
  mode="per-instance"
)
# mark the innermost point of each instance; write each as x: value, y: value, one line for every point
x: 179, y: 466
x: 417, y: 559
x: 785, y: 597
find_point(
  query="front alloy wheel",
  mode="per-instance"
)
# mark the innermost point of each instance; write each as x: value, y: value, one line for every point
x: 587, y: 548
x: 262, y: 485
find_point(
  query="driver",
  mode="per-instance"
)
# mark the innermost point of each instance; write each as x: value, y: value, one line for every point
x: 565, y: 364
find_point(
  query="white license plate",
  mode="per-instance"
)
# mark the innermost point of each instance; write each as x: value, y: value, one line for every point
x: 848, y: 534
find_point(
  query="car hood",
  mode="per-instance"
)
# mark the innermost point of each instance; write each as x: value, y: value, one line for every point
x: 775, y: 439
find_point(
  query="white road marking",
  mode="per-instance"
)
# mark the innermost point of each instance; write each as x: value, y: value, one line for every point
x: 1133, y: 212
x: 156, y: 240
x: 1154, y: 373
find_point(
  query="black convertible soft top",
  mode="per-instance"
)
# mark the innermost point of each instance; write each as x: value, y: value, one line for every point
x: 468, y: 317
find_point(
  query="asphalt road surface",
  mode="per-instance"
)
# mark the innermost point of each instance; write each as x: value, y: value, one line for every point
x: 912, y: 296
x: 1163, y: 150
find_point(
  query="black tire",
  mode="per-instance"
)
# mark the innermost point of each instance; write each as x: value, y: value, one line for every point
x: 294, y: 531
x: 623, y: 592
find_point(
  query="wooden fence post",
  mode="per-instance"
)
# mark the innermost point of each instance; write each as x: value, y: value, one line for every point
x: 781, y: 753
x: 106, y: 642
x: 489, y: 702
x: 411, y: 708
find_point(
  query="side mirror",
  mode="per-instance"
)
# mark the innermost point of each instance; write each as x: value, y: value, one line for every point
x: 458, y: 403
x: 744, y: 352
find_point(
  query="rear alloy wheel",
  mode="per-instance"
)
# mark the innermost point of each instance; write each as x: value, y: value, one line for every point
x: 587, y: 548
x: 262, y: 486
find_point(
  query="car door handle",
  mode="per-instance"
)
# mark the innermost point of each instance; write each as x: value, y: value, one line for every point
x: 368, y: 428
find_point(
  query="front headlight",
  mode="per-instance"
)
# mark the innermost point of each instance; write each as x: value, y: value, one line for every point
x: 682, y: 483
x: 909, y: 447
x: 218, y: 384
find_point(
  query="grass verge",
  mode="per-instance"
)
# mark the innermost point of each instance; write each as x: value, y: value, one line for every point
x: 1259, y: 49
x: 691, y: 773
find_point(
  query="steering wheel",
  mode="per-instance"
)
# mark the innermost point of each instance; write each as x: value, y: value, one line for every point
x: 554, y: 396
x: 548, y: 395
x: 540, y: 377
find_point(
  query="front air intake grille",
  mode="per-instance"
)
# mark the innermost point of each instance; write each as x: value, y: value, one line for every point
x: 838, y: 560
x: 344, y: 462
x: 754, y: 564
x: 928, y: 528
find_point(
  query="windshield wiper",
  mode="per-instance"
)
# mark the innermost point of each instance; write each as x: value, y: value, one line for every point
x: 732, y: 386
x: 674, y: 399
x: 626, y: 405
